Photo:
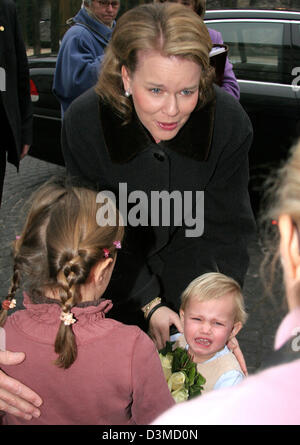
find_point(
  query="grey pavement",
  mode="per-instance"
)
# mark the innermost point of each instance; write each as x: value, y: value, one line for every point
x: 257, y: 336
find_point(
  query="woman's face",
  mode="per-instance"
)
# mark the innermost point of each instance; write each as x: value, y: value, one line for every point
x: 164, y: 90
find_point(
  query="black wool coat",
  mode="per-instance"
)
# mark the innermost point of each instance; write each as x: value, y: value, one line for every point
x: 210, y: 154
x: 15, y: 99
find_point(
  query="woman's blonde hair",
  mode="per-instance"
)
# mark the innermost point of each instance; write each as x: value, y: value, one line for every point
x: 169, y: 28
x: 214, y: 285
x: 282, y: 196
x: 60, y: 243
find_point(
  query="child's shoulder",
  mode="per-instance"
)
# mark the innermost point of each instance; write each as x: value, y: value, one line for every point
x: 128, y: 332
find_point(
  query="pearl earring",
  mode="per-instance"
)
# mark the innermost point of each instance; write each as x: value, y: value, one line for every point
x: 127, y: 94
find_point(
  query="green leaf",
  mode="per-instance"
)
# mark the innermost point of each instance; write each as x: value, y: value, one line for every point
x: 195, y: 392
x: 167, y: 348
x: 200, y: 380
x: 177, y: 359
x: 191, y: 375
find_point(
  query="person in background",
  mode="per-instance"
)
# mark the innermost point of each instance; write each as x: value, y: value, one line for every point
x: 88, y: 369
x: 212, y: 312
x: 15, y: 101
x: 82, y: 49
x: 272, y: 396
x: 229, y: 82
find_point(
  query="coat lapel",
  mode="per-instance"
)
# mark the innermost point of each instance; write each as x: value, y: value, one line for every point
x: 123, y: 142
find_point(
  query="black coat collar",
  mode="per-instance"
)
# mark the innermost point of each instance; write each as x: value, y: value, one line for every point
x: 123, y: 142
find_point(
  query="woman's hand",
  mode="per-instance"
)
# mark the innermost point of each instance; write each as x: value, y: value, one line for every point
x: 234, y: 346
x: 159, y: 325
x: 16, y: 398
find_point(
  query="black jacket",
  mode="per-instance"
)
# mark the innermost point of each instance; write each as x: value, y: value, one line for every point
x: 210, y: 154
x: 15, y: 99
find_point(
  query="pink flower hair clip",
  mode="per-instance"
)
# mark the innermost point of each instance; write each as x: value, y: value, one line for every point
x: 67, y: 318
x: 117, y: 244
x: 106, y: 253
x: 9, y: 304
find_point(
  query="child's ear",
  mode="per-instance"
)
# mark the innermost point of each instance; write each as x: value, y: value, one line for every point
x: 181, y: 315
x: 100, y: 268
x: 236, y: 329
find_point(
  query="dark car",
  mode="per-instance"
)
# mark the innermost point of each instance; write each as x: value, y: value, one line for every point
x: 264, y: 47
x: 46, y: 111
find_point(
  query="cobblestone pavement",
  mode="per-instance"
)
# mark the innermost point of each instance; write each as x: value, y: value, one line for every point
x: 256, y: 338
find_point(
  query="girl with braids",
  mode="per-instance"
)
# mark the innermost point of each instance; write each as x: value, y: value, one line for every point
x: 99, y: 371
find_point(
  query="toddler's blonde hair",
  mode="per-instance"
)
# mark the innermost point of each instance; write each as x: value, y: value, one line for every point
x: 215, y: 285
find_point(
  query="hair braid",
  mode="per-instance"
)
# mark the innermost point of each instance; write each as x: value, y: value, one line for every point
x: 67, y: 280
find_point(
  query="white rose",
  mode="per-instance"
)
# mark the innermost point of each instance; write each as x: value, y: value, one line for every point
x: 166, y: 363
x: 176, y: 381
x: 181, y: 395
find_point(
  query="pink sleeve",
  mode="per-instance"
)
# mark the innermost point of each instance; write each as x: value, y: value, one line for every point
x: 151, y: 395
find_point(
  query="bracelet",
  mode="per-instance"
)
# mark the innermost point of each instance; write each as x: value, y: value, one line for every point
x: 146, y: 308
x: 153, y: 310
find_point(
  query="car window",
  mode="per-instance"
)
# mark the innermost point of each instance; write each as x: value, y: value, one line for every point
x: 255, y: 48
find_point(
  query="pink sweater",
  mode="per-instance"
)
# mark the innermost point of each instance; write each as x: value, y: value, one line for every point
x: 271, y: 397
x: 117, y: 378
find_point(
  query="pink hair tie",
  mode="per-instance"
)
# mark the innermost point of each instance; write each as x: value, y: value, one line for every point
x: 9, y: 304
x: 106, y: 252
x: 67, y: 318
x: 18, y: 237
x: 117, y: 244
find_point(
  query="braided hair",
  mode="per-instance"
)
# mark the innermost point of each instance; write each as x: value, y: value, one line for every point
x: 60, y: 243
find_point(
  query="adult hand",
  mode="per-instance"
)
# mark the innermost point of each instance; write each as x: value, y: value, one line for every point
x: 16, y: 398
x: 159, y: 325
x: 24, y: 151
x: 234, y: 346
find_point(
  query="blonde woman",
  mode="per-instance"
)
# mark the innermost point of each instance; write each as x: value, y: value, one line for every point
x: 155, y: 123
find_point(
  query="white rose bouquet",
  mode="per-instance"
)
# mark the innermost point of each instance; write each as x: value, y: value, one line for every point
x: 184, y: 381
